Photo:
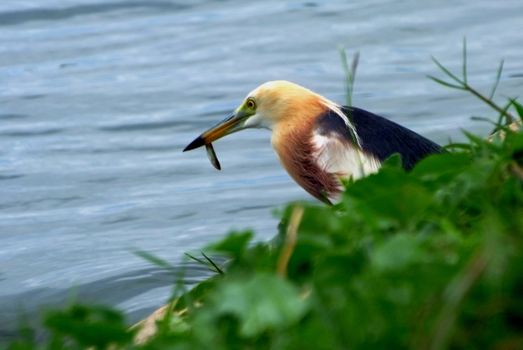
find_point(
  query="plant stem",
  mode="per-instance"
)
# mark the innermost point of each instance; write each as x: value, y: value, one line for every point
x: 489, y: 102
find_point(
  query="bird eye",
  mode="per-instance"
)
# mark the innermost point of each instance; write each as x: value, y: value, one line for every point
x: 250, y: 104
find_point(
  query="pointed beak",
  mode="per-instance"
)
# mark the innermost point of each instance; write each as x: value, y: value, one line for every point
x: 227, y: 126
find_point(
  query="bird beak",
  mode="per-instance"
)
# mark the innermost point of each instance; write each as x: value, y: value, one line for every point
x: 227, y: 126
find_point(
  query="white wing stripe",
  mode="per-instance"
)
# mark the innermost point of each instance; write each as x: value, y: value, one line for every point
x: 337, y: 157
x: 336, y: 109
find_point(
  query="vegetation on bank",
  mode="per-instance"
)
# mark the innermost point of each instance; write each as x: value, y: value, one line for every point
x: 429, y: 259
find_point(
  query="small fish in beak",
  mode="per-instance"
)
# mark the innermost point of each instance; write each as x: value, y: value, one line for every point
x: 212, y: 156
x: 231, y: 124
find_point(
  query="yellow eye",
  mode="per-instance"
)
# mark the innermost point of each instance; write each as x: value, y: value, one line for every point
x: 250, y: 104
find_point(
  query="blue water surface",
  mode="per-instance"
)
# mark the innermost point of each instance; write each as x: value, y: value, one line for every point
x: 98, y: 99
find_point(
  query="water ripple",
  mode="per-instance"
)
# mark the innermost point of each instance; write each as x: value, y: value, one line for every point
x: 10, y: 177
x: 140, y: 126
x: 31, y: 133
x: 9, y: 116
x: 10, y: 18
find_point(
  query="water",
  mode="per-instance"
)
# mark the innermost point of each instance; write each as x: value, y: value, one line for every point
x: 98, y: 98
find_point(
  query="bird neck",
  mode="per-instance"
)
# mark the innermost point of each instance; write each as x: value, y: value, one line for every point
x: 292, y: 140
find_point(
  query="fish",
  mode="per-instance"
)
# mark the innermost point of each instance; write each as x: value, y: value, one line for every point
x: 212, y: 156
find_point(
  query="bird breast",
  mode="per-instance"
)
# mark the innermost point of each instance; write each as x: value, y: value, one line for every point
x: 318, y: 161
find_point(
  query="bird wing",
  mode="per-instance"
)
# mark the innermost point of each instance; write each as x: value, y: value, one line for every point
x: 335, y: 151
x: 377, y: 137
x: 382, y: 138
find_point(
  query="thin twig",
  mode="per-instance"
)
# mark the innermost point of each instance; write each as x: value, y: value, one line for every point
x: 489, y: 102
x: 517, y: 170
x: 290, y: 241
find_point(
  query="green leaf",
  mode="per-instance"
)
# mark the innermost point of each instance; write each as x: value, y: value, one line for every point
x: 234, y: 245
x: 398, y: 252
x: 94, y: 326
x: 261, y: 302
x: 394, y: 161
x: 378, y: 195
x: 441, y: 167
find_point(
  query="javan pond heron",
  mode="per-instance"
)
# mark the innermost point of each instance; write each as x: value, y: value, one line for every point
x: 318, y: 141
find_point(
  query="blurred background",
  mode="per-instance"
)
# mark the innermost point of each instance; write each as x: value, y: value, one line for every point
x: 98, y: 99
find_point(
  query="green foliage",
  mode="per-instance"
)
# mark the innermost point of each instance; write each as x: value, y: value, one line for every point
x: 429, y: 259
x: 87, y: 326
x: 80, y: 327
x: 260, y: 302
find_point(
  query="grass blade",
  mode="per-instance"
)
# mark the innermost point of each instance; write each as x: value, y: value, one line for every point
x: 518, y: 106
x: 153, y: 259
x: 354, y: 66
x: 483, y: 119
x: 216, y: 267
x: 211, y: 265
x: 198, y: 260
x: 349, y: 73
x: 465, y: 61
x: 503, y: 115
x: 452, y: 146
x: 496, y: 82
x: 446, y: 71
x: 444, y: 83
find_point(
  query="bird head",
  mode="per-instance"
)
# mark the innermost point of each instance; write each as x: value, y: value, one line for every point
x: 267, y: 106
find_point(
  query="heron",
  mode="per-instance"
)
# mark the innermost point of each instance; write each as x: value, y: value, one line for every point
x: 320, y: 143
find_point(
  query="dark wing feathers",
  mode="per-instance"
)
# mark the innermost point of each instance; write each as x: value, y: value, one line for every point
x: 378, y: 136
